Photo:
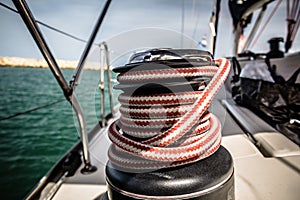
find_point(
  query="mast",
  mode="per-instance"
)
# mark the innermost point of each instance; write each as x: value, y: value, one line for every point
x: 218, y: 7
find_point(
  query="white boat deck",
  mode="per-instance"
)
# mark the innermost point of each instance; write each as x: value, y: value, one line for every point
x: 259, y: 177
x: 256, y: 177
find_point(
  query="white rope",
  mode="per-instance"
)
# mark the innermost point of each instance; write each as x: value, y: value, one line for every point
x: 157, y: 130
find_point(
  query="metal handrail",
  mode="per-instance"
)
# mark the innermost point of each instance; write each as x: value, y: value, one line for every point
x: 255, y: 27
x: 32, y: 26
x: 105, y: 65
x: 239, y: 28
x: 78, y: 70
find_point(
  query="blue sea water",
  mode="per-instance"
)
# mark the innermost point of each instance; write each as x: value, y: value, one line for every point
x: 32, y: 143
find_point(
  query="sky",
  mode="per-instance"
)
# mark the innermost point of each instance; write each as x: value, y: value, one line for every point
x: 129, y: 25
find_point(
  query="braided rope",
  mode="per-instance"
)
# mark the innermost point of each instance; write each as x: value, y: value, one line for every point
x: 161, y: 74
x: 166, y: 130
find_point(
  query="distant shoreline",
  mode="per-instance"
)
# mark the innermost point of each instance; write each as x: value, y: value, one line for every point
x: 40, y: 63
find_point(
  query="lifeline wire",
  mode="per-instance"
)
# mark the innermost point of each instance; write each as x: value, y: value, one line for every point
x: 48, y: 26
x: 34, y: 109
x: 190, y: 132
x: 56, y: 30
x: 31, y: 110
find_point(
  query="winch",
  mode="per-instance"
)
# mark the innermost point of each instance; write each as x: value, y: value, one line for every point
x: 166, y: 144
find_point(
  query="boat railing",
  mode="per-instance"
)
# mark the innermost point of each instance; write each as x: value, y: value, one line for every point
x: 105, y: 67
x: 68, y: 90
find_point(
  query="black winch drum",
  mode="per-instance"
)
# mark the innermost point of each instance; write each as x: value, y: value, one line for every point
x: 208, y: 179
x: 211, y: 178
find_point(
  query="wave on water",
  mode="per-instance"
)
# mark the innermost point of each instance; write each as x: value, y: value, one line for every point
x: 32, y: 143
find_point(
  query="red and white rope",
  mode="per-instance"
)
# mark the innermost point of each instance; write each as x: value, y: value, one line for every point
x: 170, y: 129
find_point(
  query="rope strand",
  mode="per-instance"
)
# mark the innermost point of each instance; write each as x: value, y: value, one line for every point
x: 168, y: 129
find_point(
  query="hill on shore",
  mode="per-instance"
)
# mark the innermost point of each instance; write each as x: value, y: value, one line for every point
x: 40, y: 63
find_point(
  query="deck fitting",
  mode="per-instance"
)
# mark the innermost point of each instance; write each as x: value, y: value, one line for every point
x: 88, y: 169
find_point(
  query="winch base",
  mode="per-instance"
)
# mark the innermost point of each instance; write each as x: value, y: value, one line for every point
x: 208, y: 179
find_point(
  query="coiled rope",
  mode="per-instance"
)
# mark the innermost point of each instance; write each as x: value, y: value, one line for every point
x: 167, y: 129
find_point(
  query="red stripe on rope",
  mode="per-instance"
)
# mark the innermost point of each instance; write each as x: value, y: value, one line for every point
x: 178, y: 135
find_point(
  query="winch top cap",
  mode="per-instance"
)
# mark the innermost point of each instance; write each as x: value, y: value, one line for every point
x: 171, y: 57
